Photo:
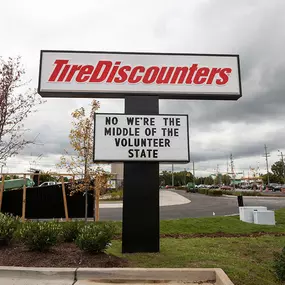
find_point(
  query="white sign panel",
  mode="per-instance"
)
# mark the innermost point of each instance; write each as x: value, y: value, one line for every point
x: 119, y: 137
x: 106, y: 74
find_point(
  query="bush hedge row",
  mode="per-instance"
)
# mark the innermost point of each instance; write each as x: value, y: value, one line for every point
x: 211, y: 192
x: 243, y: 193
x: 41, y: 236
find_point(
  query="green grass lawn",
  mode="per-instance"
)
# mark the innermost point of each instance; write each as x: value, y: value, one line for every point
x: 229, y: 225
x: 246, y: 260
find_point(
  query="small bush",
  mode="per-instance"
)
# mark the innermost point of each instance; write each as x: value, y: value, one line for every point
x: 39, y: 236
x: 243, y: 193
x: 215, y: 192
x: 8, y: 226
x: 202, y: 191
x: 117, y: 195
x: 94, y: 237
x: 70, y: 230
x: 279, y: 265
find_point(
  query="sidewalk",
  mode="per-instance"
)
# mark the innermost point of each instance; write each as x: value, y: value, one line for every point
x: 166, y: 198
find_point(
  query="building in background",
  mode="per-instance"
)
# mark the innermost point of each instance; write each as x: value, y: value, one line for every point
x: 117, y: 170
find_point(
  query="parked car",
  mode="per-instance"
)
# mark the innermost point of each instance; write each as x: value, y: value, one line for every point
x: 201, y: 186
x: 226, y: 187
x: 47, y: 183
x: 274, y: 187
x: 214, y: 187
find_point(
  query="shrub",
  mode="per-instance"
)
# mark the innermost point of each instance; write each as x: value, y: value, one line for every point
x: 243, y: 193
x: 279, y: 264
x: 39, y: 236
x: 70, y: 230
x: 201, y: 191
x: 215, y: 192
x: 95, y: 238
x: 8, y: 226
x: 117, y: 195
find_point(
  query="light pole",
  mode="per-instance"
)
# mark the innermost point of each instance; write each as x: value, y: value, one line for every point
x: 283, y: 166
x: 3, y: 164
x: 172, y: 169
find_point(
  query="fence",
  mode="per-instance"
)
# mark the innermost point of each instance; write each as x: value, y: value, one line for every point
x: 52, y: 201
x: 46, y: 203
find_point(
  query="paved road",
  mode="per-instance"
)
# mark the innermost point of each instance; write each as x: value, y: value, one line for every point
x: 201, y: 206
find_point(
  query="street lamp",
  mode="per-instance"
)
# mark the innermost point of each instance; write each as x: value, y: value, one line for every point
x: 172, y: 171
x: 283, y: 166
x: 3, y: 164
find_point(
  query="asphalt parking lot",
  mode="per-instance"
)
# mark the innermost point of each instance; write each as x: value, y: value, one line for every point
x: 201, y: 206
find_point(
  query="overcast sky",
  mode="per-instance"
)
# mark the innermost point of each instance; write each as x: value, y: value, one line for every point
x: 253, y: 29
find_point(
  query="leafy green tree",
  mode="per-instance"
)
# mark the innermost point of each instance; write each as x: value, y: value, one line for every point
x: 165, y: 178
x: 180, y: 178
x: 209, y: 180
x: 46, y: 176
x: 226, y: 179
x: 8, y: 177
x: 218, y: 179
x: 199, y: 180
x: 272, y: 178
x: 278, y: 169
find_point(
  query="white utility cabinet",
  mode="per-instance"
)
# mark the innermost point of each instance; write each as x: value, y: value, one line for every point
x: 246, y: 212
x: 264, y: 217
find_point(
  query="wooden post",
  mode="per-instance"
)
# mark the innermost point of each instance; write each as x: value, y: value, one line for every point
x: 24, y: 199
x: 2, y: 190
x: 97, y: 205
x: 64, y: 198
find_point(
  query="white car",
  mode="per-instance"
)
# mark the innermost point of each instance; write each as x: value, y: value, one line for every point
x: 47, y: 183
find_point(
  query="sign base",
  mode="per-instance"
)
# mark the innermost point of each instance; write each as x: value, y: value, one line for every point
x: 141, y: 191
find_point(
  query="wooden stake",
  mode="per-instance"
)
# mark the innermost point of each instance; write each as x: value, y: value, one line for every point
x: 64, y: 198
x: 24, y: 199
x: 1, y: 191
x: 97, y: 205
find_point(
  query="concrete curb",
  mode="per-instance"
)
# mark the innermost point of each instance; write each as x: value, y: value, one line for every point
x: 82, y: 276
x: 36, y: 276
x: 254, y: 197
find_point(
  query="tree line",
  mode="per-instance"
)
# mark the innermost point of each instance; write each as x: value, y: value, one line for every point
x: 276, y: 175
x: 184, y: 177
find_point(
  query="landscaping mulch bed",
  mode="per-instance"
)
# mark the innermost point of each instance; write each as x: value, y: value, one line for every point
x: 63, y: 255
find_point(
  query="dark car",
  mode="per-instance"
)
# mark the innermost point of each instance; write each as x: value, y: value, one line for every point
x: 274, y: 187
x: 214, y: 187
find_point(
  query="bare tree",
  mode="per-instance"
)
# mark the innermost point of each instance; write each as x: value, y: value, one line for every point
x: 17, y: 102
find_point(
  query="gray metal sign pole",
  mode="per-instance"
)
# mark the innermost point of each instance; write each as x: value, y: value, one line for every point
x: 141, y: 190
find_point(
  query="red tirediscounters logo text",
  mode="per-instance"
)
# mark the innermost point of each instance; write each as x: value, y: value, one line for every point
x: 107, y: 71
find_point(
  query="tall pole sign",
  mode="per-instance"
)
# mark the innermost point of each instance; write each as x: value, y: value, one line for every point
x: 141, y: 138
